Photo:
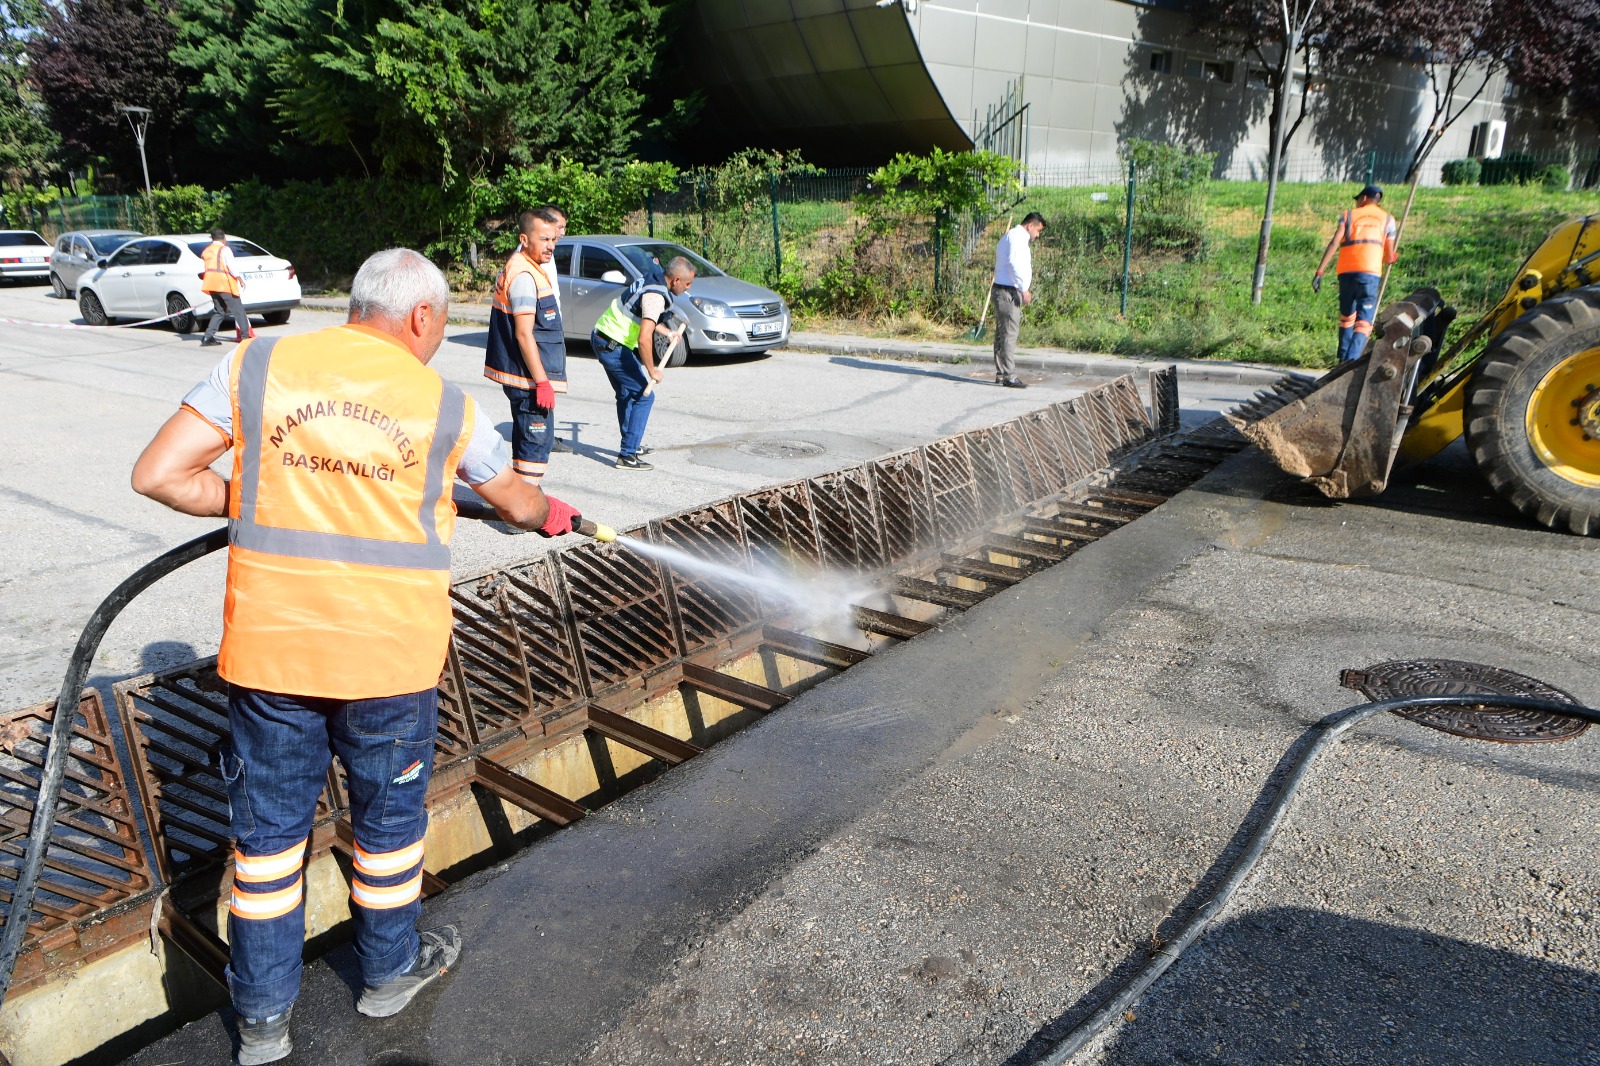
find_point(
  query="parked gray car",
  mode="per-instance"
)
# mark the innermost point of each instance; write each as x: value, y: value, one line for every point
x: 23, y: 254
x: 725, y: 315
x: 78, y: 251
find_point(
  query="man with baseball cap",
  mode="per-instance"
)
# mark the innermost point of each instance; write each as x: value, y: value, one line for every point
x: 1365, y: 240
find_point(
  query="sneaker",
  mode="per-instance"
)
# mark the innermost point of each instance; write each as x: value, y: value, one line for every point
x: 438, y: 953
x: 264, y: 1039
x: 1012, y: 382
x: 646, y: 450
x: 561, y: 446
x: 633, y: 462
x: 209, y: 342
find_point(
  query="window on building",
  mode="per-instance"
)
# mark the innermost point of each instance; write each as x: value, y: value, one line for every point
x: 1258, y: 78
x: 1204, y: 69
x: 1161, y: 62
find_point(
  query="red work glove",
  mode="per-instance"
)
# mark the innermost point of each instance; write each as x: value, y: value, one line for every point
x: 559, y: 520
x: 544, y: 395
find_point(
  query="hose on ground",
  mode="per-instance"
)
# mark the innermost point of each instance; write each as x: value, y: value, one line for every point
x: 1327, y: 734
x: 55, y: 760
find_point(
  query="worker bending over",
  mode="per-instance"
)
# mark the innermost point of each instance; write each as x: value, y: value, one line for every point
x: 527, y: 352
x: 1365, y: 240
x: 630, y: 339
x: 337, y: 616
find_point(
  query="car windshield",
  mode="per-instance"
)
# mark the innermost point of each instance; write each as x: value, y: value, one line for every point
x: 239, y: 248
x: 639, y: 255
x: 24, y: 238
x: 106, y: 243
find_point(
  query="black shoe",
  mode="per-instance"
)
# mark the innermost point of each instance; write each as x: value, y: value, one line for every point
x: 561, y: 446
x: 633, y: 462
x: 209, y: 342
x: 263, y: 1040
x: 1012, y: 382
x: 644, y: 451
x: 437, y: 954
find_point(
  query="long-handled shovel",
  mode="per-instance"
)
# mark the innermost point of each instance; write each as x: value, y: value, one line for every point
x: 677, y: 335
x: 976, y: 332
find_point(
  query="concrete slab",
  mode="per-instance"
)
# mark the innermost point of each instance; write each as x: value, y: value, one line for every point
x: 953, y: 852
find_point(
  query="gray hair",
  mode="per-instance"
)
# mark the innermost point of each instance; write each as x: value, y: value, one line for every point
x: 391, y: 283
x: 680, y: 267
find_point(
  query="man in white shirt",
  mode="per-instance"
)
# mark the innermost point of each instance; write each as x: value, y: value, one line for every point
x: 1013, y: 285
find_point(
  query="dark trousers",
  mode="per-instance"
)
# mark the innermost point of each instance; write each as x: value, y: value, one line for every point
x: 1358, y: 303
x: 533, y: 433
x: 625, y: 371
x: 226, y: 305
x: 275, y: 767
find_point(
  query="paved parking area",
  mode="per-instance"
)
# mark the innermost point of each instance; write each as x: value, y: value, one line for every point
x: 77, y: 405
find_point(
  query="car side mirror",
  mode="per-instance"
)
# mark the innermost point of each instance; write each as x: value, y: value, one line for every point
x: 615, y: 277
x: 102, y: 263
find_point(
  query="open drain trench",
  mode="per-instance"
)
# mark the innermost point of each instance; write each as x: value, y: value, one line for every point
x: 591, y: 666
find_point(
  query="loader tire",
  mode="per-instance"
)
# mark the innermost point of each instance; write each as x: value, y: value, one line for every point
x: 1533, y: 413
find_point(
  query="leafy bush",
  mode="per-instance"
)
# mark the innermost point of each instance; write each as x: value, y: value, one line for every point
x: 328, y: 229
x: 1167, y: 207
x: 1513, y: 168
x: 184, y: 209
x: 596, y: 201
x: 1462, y: 172
x: 1555, y: 177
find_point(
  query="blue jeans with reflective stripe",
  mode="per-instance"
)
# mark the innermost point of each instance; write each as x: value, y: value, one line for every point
x: 275, y: 767
x: 628, y: 380
x: 1358, y: 303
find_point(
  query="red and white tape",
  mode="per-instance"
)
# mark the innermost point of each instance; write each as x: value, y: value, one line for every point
x: 195, y: 310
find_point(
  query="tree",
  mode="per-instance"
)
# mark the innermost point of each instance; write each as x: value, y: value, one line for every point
x: 94, y: 56
x: 27, y: 144
x: 447, y: 89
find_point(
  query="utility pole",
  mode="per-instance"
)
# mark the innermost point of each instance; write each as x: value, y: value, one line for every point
x: 139, y: 118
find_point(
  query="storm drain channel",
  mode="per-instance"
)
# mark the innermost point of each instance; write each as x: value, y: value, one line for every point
x: 571, y: 679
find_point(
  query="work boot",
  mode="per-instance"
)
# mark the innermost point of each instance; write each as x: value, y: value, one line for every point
x: 561, y: 446
x: 437, y: 954
x: 209, y: 342
x: 264, y: 1039
x: 633, y: 462
x: 1011, y: 382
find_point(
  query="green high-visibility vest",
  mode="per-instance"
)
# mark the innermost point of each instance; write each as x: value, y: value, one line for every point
x: 620, y: 322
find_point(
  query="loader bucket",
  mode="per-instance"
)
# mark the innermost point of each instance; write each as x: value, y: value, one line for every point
x: 1342, y: 436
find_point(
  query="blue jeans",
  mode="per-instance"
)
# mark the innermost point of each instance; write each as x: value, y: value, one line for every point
x: 275, y: 767
x: 1358, y: 303
x: 628, y: 380
x: 533, y: 434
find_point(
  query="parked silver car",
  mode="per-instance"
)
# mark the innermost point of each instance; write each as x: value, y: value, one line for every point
x: 23, y: 254
x: 78, y: 251
x: 725, y: 314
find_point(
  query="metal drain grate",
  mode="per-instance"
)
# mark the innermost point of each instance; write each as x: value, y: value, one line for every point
x: 1451, y: 677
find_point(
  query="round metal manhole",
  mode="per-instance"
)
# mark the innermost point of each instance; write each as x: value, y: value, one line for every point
x: 780, y: 449
x: 1450, y: 677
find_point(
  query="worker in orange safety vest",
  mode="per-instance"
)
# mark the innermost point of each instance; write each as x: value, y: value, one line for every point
x: 337, y: 616
x: 1364, y: 239
x: 219, y: 281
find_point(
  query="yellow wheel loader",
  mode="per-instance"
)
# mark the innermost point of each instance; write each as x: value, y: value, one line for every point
x: 1522, y: 383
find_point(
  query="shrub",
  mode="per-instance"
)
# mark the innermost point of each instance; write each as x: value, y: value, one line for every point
x: 1513, y: 168
x: 185, y: 209
x: 1555, y: 177
x: 1462, y: 172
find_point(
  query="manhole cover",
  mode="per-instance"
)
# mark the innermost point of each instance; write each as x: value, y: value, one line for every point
x: 1448, y: 677
x: 780, y: 449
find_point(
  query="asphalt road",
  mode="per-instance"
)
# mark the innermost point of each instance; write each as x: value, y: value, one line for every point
x: 77, y: 406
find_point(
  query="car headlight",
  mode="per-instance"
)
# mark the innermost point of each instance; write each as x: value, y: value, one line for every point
x: 712, y: 308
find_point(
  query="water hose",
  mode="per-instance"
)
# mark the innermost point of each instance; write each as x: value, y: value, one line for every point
x: 1327, y: 734
x: 55, y: 760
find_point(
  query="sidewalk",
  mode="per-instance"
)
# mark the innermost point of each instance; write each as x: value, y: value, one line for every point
x: 1054, y: 359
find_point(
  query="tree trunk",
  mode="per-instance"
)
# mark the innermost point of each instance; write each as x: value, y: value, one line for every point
x: 1280, y: 118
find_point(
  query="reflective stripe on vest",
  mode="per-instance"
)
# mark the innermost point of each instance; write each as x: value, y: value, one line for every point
x: 337, y: 547
x: 503, y: 360
x: 217, y: 278
x: 339, y: 516
x: 1366, y: 232
x: 621, y: 321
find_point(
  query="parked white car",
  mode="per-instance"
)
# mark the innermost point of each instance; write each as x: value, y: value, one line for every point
x: 77, y: 252
x: 23, y: 254
x: 156, y: 276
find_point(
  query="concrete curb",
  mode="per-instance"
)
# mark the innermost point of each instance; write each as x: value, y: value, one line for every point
x: 1095, y: 366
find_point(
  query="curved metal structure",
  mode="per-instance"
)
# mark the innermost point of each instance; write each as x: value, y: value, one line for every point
x: 829, y: 77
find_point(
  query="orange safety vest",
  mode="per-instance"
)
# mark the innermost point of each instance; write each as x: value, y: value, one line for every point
x: 1368, y: 235
x: 216, y: 278
x: 340, y: 516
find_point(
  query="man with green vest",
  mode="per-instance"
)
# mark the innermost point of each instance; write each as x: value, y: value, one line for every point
x: 625, y: 341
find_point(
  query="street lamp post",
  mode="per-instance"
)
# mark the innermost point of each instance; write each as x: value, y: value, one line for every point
x: 139, y: 118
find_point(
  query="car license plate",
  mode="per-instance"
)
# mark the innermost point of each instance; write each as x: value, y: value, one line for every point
x: 261, y: 275
x: 766, y: 329
x: 33, y: 259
